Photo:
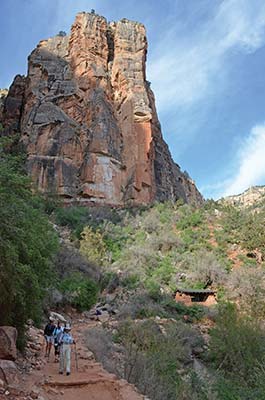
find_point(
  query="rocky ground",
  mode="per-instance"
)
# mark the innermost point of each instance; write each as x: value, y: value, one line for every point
x: 33, y: 377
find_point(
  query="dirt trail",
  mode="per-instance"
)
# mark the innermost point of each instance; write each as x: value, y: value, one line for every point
x: 89, y: 382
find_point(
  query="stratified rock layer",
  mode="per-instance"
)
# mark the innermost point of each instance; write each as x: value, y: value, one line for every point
x: 87, y: 118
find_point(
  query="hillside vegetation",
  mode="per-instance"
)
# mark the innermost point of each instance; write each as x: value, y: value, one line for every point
x: 133, y: 260
x: 167, y: 246
x: 144, y: 255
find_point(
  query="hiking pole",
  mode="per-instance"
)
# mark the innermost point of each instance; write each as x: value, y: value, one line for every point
x: 76, y: 361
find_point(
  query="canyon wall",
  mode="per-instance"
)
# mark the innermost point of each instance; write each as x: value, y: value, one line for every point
x: 87, y: 118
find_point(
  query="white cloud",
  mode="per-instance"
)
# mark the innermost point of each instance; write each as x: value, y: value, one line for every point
x: 184, y: 73
x: 251, y: 163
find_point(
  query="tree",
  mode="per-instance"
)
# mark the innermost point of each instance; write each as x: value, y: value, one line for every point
x: 27, y: 244
x: 92, y: 245
x: 61, y: 33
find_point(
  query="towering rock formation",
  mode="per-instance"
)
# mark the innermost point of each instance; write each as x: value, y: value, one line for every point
x: 87, y: 118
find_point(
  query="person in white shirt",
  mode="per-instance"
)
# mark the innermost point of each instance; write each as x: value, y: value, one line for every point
x: 66, y: 341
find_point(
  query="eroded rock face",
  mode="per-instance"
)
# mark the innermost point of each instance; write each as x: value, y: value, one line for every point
x: 87, y: 118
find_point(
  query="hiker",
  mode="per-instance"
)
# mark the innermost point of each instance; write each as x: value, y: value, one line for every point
x: 57, y: 334
x: 65, y: 350
x: 48, y: 334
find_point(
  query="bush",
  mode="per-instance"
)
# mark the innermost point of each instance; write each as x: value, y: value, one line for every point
x: 100, y: 342
x: 92, y: 245
x: 248, y: 284
x: 205, y: 270
x: 74, y: 218
x: 69, y: 260
x: 154, y: 354
x: 175, y: 309
x: 79, y: 291
x: 140, y: 305
x: 236, y: 346
x: 131, y: 281
x: 61, y: 33
x: 190, y: 220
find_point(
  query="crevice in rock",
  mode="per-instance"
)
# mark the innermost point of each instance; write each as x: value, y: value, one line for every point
x: 110, y: 41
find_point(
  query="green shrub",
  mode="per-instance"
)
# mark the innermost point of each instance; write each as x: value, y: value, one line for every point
x: 73, y: 217
x: 153, y: 288
x: 236, y: 345
x: 92, y: 245
x: 130, y: 281
x: 175, y: 309
x: 153, y: 356
x: 190, y: 219
x: 79, y: 291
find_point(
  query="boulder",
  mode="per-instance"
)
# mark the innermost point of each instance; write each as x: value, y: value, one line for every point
x: 57, y: 317
x: 103, y: 317
x: 8, y: 338
x: 9, y: 373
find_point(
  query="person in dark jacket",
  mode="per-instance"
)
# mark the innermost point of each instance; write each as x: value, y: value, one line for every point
x: 48, y: 334
x: 57, y: 334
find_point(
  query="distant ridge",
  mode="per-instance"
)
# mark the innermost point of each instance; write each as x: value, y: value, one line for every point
x: 250, y: 197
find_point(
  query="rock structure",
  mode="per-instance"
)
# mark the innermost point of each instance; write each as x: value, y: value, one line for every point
x: 8, y: 338
x: 3, y: 94
x: 87, y: 118
x: 249, y: 198
x: 8, y: 354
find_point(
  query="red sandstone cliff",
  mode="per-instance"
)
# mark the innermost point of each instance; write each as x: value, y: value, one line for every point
x: 87, y: 118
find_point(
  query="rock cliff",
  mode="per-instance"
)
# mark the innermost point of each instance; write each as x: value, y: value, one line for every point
x: 254, y: 196
x: 87, y: 118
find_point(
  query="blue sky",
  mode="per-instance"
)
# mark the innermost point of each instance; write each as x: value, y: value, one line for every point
x: 206, y: 63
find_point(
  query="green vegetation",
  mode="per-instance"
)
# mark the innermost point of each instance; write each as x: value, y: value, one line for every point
x: 236, y: 346
x: 149, y: 353
x: 171, y: 245
x: 154, y: 355
x: 151, y: 251
x: 80, y: 291
x: 27, y: 245
x: 92, y: 245
x: 237, y: 353
x: 147, y: 253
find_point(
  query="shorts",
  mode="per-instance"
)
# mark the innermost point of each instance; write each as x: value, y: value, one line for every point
x: 49, y: 339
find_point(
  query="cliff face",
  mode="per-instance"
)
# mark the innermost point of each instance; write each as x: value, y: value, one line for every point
x: 87, y: 118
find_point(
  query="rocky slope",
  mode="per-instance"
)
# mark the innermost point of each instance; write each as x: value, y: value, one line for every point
x: 250, y: 197
x: 87, y: 118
